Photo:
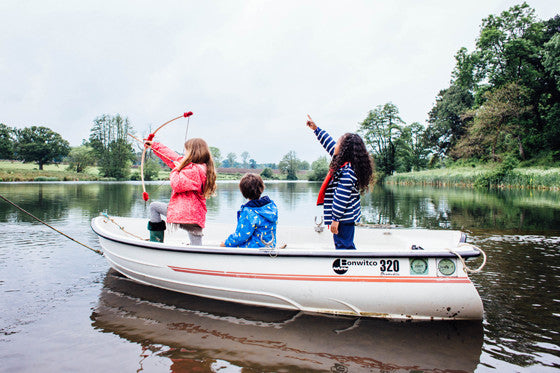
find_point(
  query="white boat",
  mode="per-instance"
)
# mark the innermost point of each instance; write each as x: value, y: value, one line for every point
x: 394, y: 273
x: 193, y: 330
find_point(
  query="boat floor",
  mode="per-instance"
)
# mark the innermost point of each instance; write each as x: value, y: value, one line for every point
x: 304, y: 238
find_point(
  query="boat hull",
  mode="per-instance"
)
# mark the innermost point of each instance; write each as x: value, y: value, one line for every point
x: 340, y: 283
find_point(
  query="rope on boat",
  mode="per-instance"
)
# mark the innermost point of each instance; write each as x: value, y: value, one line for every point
x: 122, y: 228
x: 467, y: 269
x: 51, y: 227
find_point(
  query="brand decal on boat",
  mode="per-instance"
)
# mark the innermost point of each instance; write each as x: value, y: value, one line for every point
x: 340, y: 266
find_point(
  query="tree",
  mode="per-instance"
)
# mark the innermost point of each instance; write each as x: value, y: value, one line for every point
x: 216, y: 155
x: 244, y: 157
x: 252, y: 163
x: 151, y: 169
x: 80, y: 158
x: 289, y: 165
x: 499, y: 125
x: 380, y: 129
x: 446, y: 122
x: 40, y: 145
x: 319, y: 169
x: 231, y: 157
x: 267, y: 173
x: 109, y: 139
x: 410, y: 150
x: 6, y: 142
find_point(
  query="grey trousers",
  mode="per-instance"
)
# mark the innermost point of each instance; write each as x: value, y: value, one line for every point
x: 157, y: 209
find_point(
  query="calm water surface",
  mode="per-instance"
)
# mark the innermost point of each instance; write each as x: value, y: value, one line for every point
x: 63, y: 309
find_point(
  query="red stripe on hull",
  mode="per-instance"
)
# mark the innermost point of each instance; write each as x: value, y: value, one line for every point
x: 340, y: 278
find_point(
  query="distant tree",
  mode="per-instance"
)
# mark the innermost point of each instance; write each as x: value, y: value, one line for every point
x: 244, y: 157
x: 216, y: 155
x: 289, y: 165
x: 151, y: 169
x: 319, y: 168
x: 80, y: 158
x: 252, y: 163
x: 380, y: 129
x: 109, y: 139
x: 6, y: 142
x: 40, y: 145
x: 267, y: 173
x: 410, y: 150
x: 231, y: 157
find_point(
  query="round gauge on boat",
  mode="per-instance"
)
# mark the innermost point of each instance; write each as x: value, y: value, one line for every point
x: 419, y: 266
x: 446, y: 267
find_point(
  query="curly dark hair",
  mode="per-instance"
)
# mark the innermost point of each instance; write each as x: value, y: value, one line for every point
x: 352, y: 149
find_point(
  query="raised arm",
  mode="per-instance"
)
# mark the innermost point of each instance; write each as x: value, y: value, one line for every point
x: 324, y: 138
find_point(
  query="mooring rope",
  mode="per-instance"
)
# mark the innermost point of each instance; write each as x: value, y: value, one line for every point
x: 122, y: 228
x: 467, y: 269
x: 51, y: 227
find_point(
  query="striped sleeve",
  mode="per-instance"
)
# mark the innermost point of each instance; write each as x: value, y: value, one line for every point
x: 326, y: 140
x: 343, y: 194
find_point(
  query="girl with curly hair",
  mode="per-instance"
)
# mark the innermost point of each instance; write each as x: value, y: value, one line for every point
x: 350, y: 174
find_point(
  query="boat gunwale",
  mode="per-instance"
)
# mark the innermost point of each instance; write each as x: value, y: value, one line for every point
x: 215, y: 250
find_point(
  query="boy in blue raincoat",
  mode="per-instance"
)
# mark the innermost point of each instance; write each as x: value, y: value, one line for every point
x: 256, y: 220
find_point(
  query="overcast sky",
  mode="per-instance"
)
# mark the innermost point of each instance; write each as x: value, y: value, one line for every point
x: 249, y: 70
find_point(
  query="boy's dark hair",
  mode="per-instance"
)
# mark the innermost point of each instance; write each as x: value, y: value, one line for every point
x: 251, y: 186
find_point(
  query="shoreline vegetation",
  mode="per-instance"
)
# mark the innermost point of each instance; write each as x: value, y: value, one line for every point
x: 14, y: 171
x: 457, y: 176
x: 485, y: 176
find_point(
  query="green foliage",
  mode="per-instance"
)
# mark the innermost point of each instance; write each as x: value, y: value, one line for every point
x: 498, y: 176
x: 504, y: 96
x: 151, y: 169
x: 109, y: 139
x: 380, y: 130
x: 6, y: 142
x: 40, y: 145
x: 319, y: 168
x: 289, y: 165
x: 216, y: 155
x: 267, y: 173
x: 80, y: 158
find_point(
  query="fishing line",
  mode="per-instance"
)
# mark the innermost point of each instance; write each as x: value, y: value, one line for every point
x: 51, y: 227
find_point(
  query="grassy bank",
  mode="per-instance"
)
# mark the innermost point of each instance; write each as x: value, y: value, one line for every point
x: 537, y: 178
x: 18, y: 171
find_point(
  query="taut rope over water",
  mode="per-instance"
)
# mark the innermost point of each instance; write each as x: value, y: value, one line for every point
x: 54, y: 229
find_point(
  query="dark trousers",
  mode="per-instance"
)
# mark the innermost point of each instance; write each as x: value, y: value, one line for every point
x: 344, y: 240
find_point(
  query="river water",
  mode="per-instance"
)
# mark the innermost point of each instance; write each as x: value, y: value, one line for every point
x: 63, y: 309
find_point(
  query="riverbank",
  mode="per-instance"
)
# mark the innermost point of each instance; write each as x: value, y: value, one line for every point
x: 470, y: 177
x: 17, y: 171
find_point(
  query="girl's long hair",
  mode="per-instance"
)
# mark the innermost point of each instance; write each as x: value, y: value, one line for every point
x: 197, y: 151
x: 352, y: 149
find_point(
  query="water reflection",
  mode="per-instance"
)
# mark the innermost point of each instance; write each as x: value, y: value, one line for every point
x: 455, y: 208
x: 196, y: 333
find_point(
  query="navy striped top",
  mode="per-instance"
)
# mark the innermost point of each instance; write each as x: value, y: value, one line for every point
x: 342, y: 197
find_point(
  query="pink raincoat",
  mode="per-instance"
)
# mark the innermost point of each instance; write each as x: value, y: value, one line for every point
x: 187, y: 204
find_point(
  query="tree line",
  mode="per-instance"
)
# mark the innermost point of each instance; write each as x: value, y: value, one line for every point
x: 502, y: 104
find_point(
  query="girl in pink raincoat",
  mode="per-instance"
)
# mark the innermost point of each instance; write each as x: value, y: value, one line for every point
x: 193, y: 179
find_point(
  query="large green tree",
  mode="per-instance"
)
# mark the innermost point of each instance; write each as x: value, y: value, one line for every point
x: 6, y: 142
x: 380, y: 130
x: 40, y: 145
x: 109, y: 138
x: 80, y: 158
x: 512, y: 48
x: 289, y: 165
